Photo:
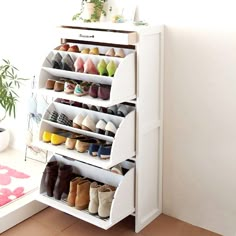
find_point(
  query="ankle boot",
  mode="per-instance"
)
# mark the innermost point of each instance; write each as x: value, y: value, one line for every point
x: 82, y: 195
x: 63, y: 181
x: 51, y: 172
x: 105, y: 197
x: 93, y: 196
x: 73, y: 189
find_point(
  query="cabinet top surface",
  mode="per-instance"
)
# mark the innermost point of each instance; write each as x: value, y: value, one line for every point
x: 113, y: 26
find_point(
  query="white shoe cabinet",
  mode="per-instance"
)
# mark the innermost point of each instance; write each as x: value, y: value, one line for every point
x: 137, y: 145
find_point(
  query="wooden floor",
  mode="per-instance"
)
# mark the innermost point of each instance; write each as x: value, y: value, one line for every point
x: 51, y: 222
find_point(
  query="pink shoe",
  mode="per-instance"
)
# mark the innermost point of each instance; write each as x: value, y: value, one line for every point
x: 79, y: 65
x: 89, y: 67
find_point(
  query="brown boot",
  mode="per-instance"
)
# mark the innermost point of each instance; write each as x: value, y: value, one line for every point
x: 73, y: 189
x: 51, y: 172
x: 63, y: 181
x: 82, y: 196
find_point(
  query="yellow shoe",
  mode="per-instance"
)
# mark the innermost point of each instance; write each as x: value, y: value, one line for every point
x: 57, y: 139
x: 47, y: 136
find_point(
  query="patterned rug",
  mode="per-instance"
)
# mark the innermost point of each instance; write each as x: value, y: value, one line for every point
x: 13, y: 185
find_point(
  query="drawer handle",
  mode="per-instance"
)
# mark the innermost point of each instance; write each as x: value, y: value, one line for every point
x: 86, y: 36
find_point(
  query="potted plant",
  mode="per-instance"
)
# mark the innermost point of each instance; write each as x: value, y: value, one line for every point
x: 9, y: 84
x: 91, y: 11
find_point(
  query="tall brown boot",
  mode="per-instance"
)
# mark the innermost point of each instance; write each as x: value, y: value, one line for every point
x: 51, y: 172
x: 73, y: 189
x: 63, y: 181
x: 82, y: 195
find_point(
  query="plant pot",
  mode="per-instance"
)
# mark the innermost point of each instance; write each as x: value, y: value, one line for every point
x: 4, y: 139
x: 91, y: 13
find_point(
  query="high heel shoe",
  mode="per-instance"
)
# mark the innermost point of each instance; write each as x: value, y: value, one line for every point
x: 89, y: 67
x: 111, y: 68
x: 67, y: 63
x: 102, y: 67
x: 120, y: 53
x: 79, y: 65
x: 56, y: 61
x: 110, y: 52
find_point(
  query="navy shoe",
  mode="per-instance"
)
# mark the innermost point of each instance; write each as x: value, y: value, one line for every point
x: 104, y: 151
x: 93, y: 149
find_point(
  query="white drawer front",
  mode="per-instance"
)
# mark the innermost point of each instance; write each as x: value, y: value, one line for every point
x: 126, y: 38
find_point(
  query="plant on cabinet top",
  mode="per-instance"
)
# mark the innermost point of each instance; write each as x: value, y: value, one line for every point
x: 91, y: 11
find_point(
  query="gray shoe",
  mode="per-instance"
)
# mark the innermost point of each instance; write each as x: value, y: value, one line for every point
x: 67, y: 63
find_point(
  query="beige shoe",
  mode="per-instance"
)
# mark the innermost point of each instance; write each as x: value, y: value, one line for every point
x: 70, y: 143
x: 88, y: 124
x: 93, y: 195
x: 77, y: 121
x: 82, y: 195
x: 117, y: 169
x: 105, y: 197
x: 82, y: 145
x: 120, y: 53
x: 72, y: 192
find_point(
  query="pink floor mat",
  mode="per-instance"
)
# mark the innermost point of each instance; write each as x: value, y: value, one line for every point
x: 13, y: 185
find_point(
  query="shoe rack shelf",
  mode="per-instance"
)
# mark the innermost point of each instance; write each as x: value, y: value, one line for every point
x: 121, y: 150
x: 123, y: 80
x: 138, y: 82
x: 119, y: 208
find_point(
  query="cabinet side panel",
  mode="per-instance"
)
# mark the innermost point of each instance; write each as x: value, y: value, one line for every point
x: 148, y: 141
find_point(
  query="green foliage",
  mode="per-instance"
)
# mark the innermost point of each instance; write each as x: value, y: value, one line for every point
x: 9, y: 84
x: 98, y: 10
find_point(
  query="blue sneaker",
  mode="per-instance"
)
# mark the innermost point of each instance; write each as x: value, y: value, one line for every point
x: 93, y: 149
x: 104, y: 151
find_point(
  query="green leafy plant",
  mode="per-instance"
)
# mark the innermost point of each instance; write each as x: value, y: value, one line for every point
x: 95, y: 16
x: 9, y: 84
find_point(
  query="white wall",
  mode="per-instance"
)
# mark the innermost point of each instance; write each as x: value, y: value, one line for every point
x: 200, y: 111
x: 200, y: 98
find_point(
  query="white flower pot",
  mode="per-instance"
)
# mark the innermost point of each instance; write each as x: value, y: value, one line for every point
x: 89, y: 9
x: 4, y: 139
